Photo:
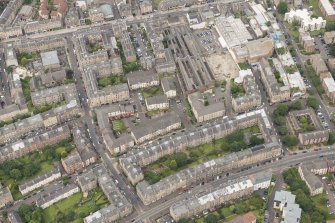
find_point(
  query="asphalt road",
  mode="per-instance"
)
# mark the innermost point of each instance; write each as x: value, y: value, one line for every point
x: 162, y: 207
x: 133, y: 20
x: 4, y: 87
x: 96, y: 139
x: 323, y: 107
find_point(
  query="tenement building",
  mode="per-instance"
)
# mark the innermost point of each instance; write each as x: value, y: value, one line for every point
x: 252, y: 97
x: 133, y: 162
x: 119, y: 206
x: 114, y: 144
x: 5, y: 196
x: 229, y: 192
x: 206, y: 107
x: 34, y: 143
x: 275, y: 92
x: 157, y: 126
x: 40, y: 181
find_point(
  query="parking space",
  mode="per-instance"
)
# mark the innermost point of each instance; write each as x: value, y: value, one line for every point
x: 330, y: 202
x: 208, y: 40
x: 140, y: 41
x: 322, y: 119
x: 322, y: 47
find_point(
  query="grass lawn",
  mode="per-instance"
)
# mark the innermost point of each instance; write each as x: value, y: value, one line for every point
x: 110, y: 80
x: 155, y: 112
x: 27, y: 95
x: 294, y: 31
x: 320, y: 201
x: 43, y: 162
x: 229, y: 212
x: 156, y: 3
x: 82, y: 207
x: 131, y: 66
x: 316, y: 8
x: 153, y: 91
x: 119, y: 126
x: 317, y: 32
x: 244, y: 66
x: 315, y: 79
x: 13, y: 185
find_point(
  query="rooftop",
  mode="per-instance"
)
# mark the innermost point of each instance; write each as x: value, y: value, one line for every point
x: 49, y: 58
x: 327, y: 7
x: 330, y: 83
x: 283, y: 197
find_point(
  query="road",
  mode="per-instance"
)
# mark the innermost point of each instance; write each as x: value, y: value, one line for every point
x: 96, y: 139
x: 158, y: 15
x: 299, y: 56
x: 278, y: 186
x: 162, y: 207
x: 4, y: 87
x: 320, y: 47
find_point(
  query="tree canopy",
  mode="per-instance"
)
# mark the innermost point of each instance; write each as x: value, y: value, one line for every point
x: 282, y: 8
x: 281, y: 110
x: 312, y: 102
x: 290, y: 141
x: 211, y: 218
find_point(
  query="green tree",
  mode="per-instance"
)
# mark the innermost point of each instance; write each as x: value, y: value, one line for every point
x: 37, y: 215
x: 282, y: 130
x: 312, y: 102
x: 235, y: 137
x: 30, y: 169
x: 184, y: 220
x: 296, y: 105
x: 25, y: 211
x: 151, y: 177
x: 282, y: 7
x: 60, y: 217
x: 236, y: 89
x: 281, y: 110
x: 254, y: 140
x: 24, y: 62
x: 290, y: 141
x: 173, y: 165
x: 330, y: 26
x: 181, y: 159
x: 279, y: 121
x: 88, y: 22
x: 211, y: 218
x: 70, y: 216
x: 15, y: 173
x: 331, y: 139
x: 317, y: 217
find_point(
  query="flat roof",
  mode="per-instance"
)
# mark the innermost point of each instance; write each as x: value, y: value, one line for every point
x: 327, y: 7
x: 49, y: 58
x: 330, y: 83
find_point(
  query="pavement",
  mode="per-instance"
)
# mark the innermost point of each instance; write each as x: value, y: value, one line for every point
x: 278, y: 186
x: 92, y: 130
x: 4, y: 87
x: 161, y: 207
x: 330, y: 195
x: 320, y: 47
x: 323, y: 107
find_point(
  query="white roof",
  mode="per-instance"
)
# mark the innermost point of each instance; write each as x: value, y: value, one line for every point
x: 18, y: 146
x: 328, y: 7
x: 296, y: 80
x: 232, y: 30
x: 242, y: 74
x: 330, y: 83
